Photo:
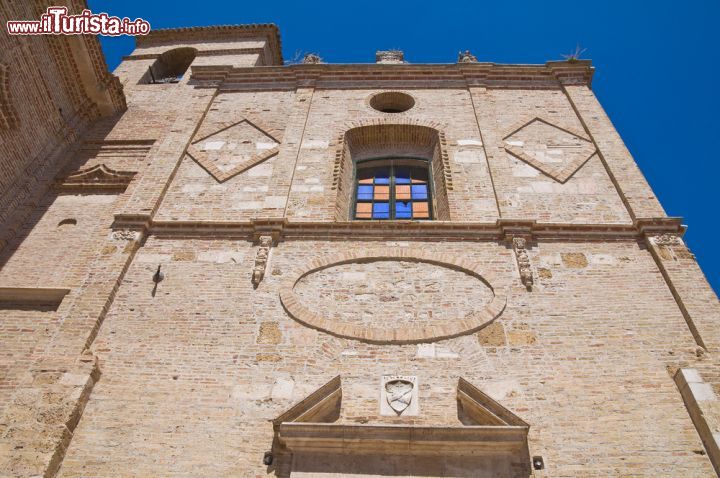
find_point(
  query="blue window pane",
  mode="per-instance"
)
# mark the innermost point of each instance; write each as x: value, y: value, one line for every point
x: 402, y: 176
x: 381, y: 210
x: 419, y: 191
x: 382, y: 176
x: 365, y: 193
x: 403, y: 210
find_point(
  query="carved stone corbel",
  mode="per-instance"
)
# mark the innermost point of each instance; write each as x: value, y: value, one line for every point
x: 523, y: 260
x: 670, y: 246
x: 124, y: 235
x: 667, y: 240
x: 261, y: 260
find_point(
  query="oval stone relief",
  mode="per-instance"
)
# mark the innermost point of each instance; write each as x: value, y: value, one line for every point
x: 392, y: 297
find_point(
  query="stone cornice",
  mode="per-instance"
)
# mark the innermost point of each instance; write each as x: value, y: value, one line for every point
x: 231, y: 51
x: 549, y: 75
x: 500, y: 230
x: 413, y: 440
x: 213, y: 33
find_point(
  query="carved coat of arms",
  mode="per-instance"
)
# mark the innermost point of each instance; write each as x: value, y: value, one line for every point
x: 399, y: 394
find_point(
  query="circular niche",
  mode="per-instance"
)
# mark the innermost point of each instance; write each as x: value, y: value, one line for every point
x: 392, y: 102
x: 392, y: 297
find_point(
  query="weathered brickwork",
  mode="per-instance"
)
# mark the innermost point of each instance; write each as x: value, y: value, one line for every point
x: 188, y: 294
x: 45, y: 113
x: 572, y: 356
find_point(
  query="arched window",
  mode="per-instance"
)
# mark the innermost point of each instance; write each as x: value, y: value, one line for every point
x: 395, y: 188
x: 170, y: 66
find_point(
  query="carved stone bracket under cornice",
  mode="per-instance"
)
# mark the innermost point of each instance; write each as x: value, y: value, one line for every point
x: 523, y: 261
x: 123, y: 235
x: 261, y: 260
x: 667, y: 240
x: 670, y: 246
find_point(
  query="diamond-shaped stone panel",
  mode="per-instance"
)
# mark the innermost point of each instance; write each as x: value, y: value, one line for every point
x: 233, y: 149
x: 553, y: 150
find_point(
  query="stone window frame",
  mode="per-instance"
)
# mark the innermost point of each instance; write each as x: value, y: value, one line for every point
x: 348, y: 150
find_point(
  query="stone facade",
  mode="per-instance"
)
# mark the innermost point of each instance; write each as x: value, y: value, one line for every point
x: 189, y: 296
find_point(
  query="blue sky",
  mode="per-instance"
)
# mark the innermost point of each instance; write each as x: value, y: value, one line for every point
x: 657, y: 67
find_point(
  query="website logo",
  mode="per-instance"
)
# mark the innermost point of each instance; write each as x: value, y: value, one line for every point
x: 56, y: 21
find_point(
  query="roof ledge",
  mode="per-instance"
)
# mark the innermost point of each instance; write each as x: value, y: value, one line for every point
x: 217, y: 32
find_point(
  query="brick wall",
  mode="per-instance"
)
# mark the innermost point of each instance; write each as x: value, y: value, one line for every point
x: 586, y: 368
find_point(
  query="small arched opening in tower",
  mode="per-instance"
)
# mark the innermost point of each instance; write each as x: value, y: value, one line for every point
x: 170, y: 67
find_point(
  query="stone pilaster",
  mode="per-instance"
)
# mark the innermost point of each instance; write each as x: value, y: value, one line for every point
x: 484, y: 107
x: 281, y: 181
x: 38, y: 424
x: 153, y: 184
x: 693, y: 294
x: 624, y: 172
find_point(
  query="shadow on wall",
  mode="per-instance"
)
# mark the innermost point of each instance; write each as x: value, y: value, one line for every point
x: 401, y: 464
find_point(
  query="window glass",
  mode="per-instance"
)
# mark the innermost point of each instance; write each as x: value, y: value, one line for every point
x: 392, y: 189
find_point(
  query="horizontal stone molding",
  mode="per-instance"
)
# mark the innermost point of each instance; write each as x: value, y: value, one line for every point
x: 284, y: 229
x: 549, y: 75
x: 413, y: 334
x: 413, y: 440
x: 228, y: 33
x: 219, y: 52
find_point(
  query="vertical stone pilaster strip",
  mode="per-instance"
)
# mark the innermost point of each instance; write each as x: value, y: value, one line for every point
x: 38, y: 423
x: 163, y: 165
x: 286, y: 161
x: 700, y: 401
x: 632, y: 186
x: 484, y: 107
x: 692, y: 292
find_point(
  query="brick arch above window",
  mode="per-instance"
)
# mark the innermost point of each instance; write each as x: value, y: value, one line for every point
x: 384, y: 137
x: 8, y: 116
x: 170, y: 66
